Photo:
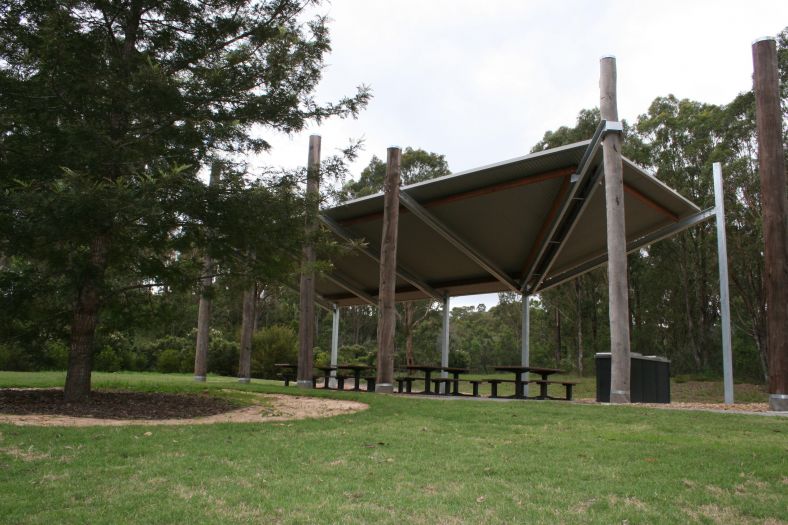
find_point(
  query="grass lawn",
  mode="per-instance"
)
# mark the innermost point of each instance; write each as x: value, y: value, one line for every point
x: 405, y: 460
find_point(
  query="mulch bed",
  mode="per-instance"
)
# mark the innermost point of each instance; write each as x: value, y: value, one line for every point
x: 112, y: 405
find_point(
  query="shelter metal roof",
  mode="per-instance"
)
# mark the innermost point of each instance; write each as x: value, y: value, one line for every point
x: 523, y: 225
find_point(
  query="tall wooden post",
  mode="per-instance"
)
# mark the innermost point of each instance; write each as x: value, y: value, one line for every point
x: 616, y: 237
x: 247, y: 329
x: 204, y: 312
x: 306, y: 325
x: 775, y: 215
x: 388, y: 273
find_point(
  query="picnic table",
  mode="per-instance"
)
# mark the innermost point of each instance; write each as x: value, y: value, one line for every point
x: 428, y: 370
x: 288, y: 373
x: 357, y: 369
x: 455, y: 372
x: 326, y: 373
x: 519, y: 371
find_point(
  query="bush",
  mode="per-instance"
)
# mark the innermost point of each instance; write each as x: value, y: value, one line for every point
x: 107, y: 360
x: 222, y: 356
x: 275, y: 344
x: 459, y: 358
x: 56, y: 355
x: 12, y: 357
x: 170, y: 361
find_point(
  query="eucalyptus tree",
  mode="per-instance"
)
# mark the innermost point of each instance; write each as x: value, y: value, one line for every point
x: 108, y: 111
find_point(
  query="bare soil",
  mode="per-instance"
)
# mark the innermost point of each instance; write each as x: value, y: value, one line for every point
x: 45, y: 407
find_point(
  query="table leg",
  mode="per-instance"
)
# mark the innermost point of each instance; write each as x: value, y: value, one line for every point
x: 543, y: 388
x: 357, y: 386
x: 328, y: 379
x: 427, y: 379
x: 456, y: 384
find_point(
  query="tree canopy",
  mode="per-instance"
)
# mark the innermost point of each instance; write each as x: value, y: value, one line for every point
x: 110, y: 109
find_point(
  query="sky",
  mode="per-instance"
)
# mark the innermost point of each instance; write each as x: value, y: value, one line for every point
x: 481, y: 81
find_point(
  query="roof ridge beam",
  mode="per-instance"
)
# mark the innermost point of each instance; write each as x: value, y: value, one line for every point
x: 457, y: 241
x: 370, y: 251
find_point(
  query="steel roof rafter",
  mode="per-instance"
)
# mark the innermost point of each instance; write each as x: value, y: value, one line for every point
x: 575, y: 202
x: 455, y: 240
x: 351, y: 286
x: 632, y: 246
x: 373, y: 252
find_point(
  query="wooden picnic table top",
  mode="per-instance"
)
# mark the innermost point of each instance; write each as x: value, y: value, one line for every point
x: 285, y: 365
x: 424, y: 368
x: 535, y: 369
x: 455, y: 369
x: 354, y: 367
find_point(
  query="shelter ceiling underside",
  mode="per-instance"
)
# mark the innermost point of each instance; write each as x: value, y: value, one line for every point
x: 511, y: 216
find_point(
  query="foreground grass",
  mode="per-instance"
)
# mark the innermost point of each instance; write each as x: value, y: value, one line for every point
x: 405, y: 459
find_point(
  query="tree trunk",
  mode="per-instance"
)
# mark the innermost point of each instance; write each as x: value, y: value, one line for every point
x: 83, y: 325
x: 408, y: 326
x: 247, y: 327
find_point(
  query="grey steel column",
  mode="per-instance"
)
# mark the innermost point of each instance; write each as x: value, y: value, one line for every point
x: 725, y: 308
x: 445, y: 339
x: 334, y: 346
x: 525, y: 338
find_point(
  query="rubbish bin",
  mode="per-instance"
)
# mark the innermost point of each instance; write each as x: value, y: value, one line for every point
x: 649, y: 378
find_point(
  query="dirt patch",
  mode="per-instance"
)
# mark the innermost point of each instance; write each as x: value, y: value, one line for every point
x: 45, y: 407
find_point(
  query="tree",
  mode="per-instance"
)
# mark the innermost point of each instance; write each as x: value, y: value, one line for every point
x: 417, y: 165
x: 110, y: 109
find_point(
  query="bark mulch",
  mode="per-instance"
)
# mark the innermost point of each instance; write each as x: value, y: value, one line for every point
x: 112, y: 405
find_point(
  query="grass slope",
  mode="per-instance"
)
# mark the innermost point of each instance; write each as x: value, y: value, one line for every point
x: 404, y: 460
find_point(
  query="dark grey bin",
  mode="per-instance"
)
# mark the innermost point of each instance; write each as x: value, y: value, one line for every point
x: 649, y: 379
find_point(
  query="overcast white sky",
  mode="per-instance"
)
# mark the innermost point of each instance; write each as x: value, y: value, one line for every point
x: 480, y: 81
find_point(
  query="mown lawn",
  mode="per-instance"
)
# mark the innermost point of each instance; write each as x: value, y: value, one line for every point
x: 405, y: 460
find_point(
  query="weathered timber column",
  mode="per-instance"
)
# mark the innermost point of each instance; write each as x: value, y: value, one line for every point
x: 247, y: 329
x: 616, y: 237
x: 775, y: 215
x: 388, y: 273
x: 306, y: 325
x: 204, y: 312
x: 525, y: 337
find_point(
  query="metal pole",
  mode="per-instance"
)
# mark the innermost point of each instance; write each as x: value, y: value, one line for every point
x: 525, y: 339
x: 334, y: 346
x: 725, y: 308
x: 445, y: 339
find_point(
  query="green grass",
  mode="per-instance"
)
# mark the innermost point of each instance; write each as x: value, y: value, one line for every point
x: 405, y: 460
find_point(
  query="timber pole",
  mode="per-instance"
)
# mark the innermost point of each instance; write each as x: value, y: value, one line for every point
x: 388, y: 273
x: 204, y: 311
x: 618, y: 288
x: 306, y: 318
x: 247, y: 329
x: 775, y: 215
x: 725, y: 307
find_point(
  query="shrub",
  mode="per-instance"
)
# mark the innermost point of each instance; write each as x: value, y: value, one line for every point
x: 107, y: 360
x: 274, y: 344
x: 222, y: 356
x: 169, y: 361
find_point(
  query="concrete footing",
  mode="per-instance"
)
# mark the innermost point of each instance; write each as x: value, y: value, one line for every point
x: 200, y: 379
x: 778, y: 402
x: 384, y: 388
